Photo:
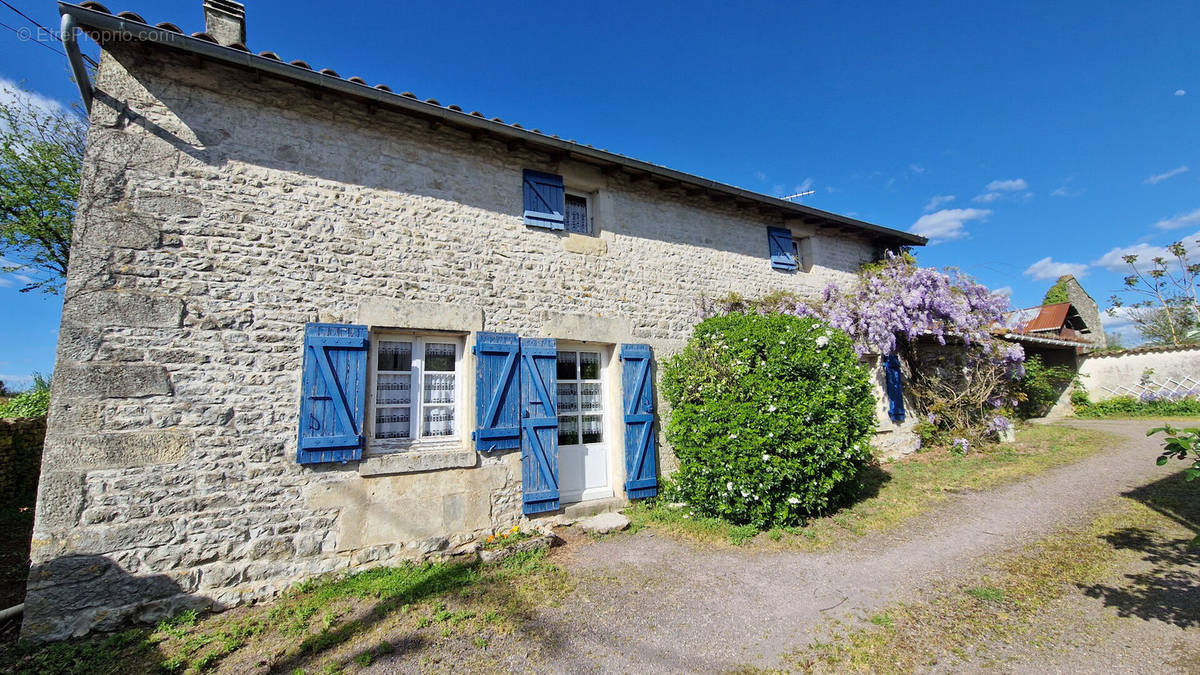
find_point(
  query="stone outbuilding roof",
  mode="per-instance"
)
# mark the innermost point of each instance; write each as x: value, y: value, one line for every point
x: 95, y: 19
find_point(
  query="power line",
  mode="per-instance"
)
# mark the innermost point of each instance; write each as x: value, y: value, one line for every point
x: 25, y: 38
x: 44, y: 30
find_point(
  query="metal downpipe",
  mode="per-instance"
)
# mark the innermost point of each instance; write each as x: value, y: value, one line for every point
x: 75, y: 57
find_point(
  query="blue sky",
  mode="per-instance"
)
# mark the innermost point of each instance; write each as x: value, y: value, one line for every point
x: 1028, y: 139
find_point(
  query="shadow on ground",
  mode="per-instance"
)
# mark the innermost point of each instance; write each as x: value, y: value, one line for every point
x: 1169, y: 590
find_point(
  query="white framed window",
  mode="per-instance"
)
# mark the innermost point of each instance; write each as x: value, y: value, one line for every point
x: 416, y: 390
x: 577, y: 214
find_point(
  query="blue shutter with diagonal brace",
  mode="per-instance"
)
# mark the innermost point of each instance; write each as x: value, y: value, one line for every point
x: 544, y: 199
x: 539, y: 425
x: 497, y: 392
x: 333, y: 395
x: 895, y: 388
x: 637, y: 389
x: 779, y: 243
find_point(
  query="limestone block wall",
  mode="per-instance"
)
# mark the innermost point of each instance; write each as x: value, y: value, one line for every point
x: 218, y: 215
x: 20, y: 459
x: 1088, y: 310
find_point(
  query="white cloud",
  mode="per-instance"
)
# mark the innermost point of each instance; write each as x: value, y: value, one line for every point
x: 947, y: 224
x: 1007, y: 185
x: 805, y: 186
x: 1113, y: 261
x: 937, y: 200
x: 1160, y: 177
x: 1182, y: 220
x: 916, y: 168
x: 1180, y: 92
x: 1046, y: 268
x: 11, y: 92
x: 1005, y: 291
x: 987, y: 198
x: 5, y: 283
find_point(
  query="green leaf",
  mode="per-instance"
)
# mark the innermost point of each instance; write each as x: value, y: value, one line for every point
x: 1162, y: 460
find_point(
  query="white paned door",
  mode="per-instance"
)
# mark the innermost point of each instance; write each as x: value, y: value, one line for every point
x: 583, y: 471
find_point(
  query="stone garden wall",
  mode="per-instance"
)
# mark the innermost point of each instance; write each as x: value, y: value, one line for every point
x: 20, y: 459
x: 1105, y: 375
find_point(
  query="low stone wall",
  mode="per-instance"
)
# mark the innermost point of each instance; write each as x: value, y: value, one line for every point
x: 20, y: 459
x: 1101, y: 374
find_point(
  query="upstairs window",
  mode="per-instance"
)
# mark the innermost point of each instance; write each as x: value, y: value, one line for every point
x: 578, y: 214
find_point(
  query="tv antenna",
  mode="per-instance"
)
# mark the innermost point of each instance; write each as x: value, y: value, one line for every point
x: 798, y: 195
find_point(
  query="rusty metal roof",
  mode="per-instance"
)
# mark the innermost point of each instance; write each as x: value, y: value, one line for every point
x: 1036, y: 319
x: 1052, y: 317
x: 131, y: 26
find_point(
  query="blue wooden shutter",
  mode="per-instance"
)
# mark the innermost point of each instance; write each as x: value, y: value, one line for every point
x: 637, y: 389
x: 895, y: 388
x: 544, y: 199
x: 333, y: 398
x: 779, y: 242
x: 539, y: 425
x: 497, y: 392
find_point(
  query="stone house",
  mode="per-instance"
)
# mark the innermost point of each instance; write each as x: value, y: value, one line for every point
x: 1058, y: 332
x: 312, y: 324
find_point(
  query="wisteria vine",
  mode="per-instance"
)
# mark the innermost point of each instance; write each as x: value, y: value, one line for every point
x: 895, y: 306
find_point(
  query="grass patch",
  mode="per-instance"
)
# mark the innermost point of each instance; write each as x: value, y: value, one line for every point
x: 326, y: 624
x: 1154, y: 524
x: 894, y: 492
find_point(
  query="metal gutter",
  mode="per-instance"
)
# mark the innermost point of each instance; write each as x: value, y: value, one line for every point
x: 116, y: 27
x: 75, y: 57
x: 1021, y: 337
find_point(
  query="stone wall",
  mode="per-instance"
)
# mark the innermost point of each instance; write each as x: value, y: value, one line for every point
x: 20, y: 459
x: 1101, y: 373
x: 1088, y: 310
x: 218, y: 215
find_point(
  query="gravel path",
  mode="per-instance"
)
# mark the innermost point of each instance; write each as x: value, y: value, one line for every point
x: 650, y: 603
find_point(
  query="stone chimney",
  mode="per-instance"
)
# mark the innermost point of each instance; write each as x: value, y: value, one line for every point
x: 225, y: 21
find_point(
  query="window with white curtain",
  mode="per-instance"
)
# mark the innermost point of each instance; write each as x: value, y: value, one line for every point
x: 416, y: 390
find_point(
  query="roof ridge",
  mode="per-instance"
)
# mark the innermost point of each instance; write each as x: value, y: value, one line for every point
x: 96, y: 15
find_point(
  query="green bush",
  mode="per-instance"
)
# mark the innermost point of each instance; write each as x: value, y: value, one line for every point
x: 32, y: 403
x: 771, y: 417
x: 1130, y: 406
x: 1041, y: 386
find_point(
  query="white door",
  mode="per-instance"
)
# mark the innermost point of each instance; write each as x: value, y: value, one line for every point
x: 582, y: 448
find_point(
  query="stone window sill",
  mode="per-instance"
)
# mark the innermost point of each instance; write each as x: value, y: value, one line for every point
x: 418, y: 460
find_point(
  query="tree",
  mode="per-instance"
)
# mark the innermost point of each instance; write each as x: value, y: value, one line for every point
x: 1169, y: 309
x: 1058, y: 292
x: 1162, y: 326
x: 41, y: 154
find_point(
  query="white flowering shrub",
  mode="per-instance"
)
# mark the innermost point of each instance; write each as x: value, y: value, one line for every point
x: 771, y: 417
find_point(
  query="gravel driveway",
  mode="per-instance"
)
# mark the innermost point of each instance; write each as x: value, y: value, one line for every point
x: 649, y: 603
